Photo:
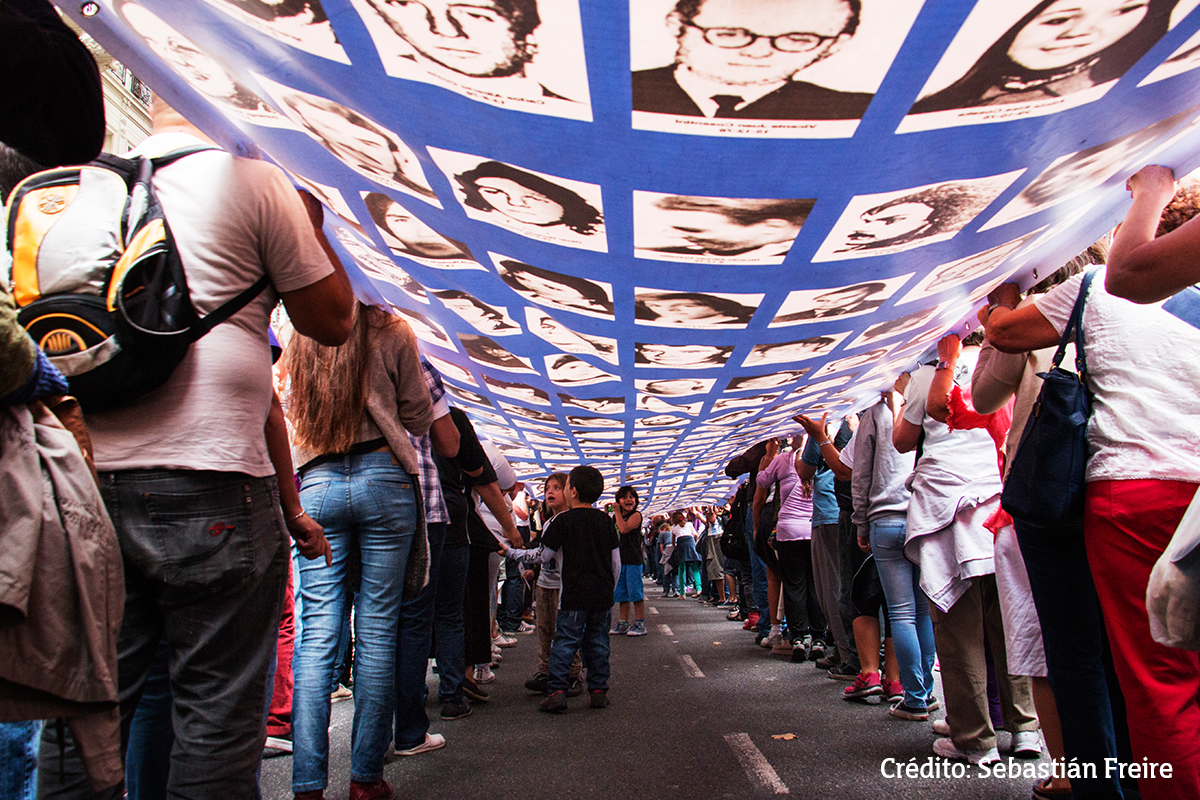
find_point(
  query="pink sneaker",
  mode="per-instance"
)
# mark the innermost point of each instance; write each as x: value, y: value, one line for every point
x: 893, y: 691
x: 863, y: 686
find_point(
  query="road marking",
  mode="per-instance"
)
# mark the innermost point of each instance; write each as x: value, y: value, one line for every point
x: 690, y: 669
x: 755, y: 764
x: 652, y: 609
x: 666, y: 630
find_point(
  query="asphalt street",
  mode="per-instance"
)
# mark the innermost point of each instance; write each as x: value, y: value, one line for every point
x: 697, y: 710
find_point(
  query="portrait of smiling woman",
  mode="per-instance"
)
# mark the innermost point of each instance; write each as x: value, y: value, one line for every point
x: 1059, y: 47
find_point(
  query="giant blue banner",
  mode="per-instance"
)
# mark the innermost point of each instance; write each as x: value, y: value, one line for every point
x: 643, y: 235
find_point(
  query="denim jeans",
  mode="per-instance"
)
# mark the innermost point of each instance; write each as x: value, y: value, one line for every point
x: 1085, y: 687
x: 912, y: 630
x: 18, y: 759
x: 413, y: 641
x: 586, y: 631
x: 512, y: 598
x: 449, y: 631
x: 204, y: 561
x: 147, y: 758
x: 758, y: 575
x: 369, y: 501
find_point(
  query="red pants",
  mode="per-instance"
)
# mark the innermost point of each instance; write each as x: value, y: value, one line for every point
x: 279, y: 718
x: 1127, y: 525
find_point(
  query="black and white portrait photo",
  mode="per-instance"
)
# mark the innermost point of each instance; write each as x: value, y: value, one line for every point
x: 406, y: 235
x: 772, y: 380
x: 378, y: 267
x: 594, y: 422
x: 488, y: 352
x: 754, y: 401
x: 536, y: 416
x: 892, y: 222
x: 449, y: 369
x: 361, y: 144
x: 675, y: 387
x: 694, y: 309
x: 596, y: 405
x: 331, y: 198
x: 1185, y: 59
x: 662, y: 421
x: 302, y: 24
x: 203, y: 70
x: 555, y: 290
x: 425, y: 329
x: 492, y: 320
x: 649, y: 402
x: 542, y: 207
x: 467, y: 396
x: 785, y: 68
x: 681, y: 356
x: 1050, y: 55
x: 1076, y: 173
x: 716, y: 230
x: 807, y: 305
x: 551, y: 330
x: 567, y: 370
x: 517, y: 391
x: 522, y: 55
x: 846, y: 363
x: 897, y: 326
x: 789, y: 352
x: 963, y: 270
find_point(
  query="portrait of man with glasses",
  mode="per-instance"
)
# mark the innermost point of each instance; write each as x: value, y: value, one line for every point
x: 743, y: 59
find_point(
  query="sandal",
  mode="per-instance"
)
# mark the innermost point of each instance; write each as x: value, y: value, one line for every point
x: 1044, y: 791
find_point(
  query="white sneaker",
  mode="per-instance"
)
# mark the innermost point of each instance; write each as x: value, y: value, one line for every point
x: 1027, y: 744
x: 941, y: 727
x: 946, y: 749
x: 772, y: 640
x: 504, y: 641
x: 484, y: 674
x: 433, y: 741
x: 525, y: 627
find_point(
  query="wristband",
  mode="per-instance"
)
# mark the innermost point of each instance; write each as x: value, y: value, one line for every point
x: 943, y: 365
x: 298, y: 516
x: 994, y: 306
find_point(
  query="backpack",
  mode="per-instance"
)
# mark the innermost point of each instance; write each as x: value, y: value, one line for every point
x: 733, y: 537
x: 98, y: 281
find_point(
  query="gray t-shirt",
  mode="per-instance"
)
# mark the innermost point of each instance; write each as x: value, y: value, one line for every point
x: 233, y: 220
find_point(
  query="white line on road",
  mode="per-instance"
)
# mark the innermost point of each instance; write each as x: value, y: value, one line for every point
x: 757, y: 768
x: 666, y: 630
x: 689, y: 667
x: 652, y: 609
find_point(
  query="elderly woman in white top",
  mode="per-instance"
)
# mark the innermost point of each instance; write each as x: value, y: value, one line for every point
x: 955, y: 489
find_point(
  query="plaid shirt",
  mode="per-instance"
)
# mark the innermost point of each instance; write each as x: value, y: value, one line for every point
x: 427, y: 474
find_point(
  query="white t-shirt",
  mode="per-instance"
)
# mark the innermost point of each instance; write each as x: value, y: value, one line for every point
x: 233, y: 219
x: 1144, y: 373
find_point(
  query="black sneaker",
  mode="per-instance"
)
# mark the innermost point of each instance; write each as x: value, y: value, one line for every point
x: 598, y: 698
x: 799, y: 652
x: 474, y: 691
x: 816, y: 651
x: 843, y: 672
x: 826, y: 662
x: 555, y: 703
x: 575, y: 689
x: 538, y: 683
x: 455, y: 709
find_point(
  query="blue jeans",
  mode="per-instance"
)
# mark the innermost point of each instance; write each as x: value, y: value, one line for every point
x: 19, y: 759
x: 758, y: 575
x: 449, y: 629
x: 412, y: 650
x: 1085, y: 687
x: 512, y: 598
x: 586, y: 631
x: 912, y: 630
x: 368, y: 500
x: 205, y: 568
x: 147, y: 756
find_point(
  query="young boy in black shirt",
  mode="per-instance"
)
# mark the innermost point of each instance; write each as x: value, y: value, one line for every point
x: 591, y: 560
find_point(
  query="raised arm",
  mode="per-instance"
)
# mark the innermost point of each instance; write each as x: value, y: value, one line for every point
x: 1013, y: 329
x: 324, y: 310
x: 937, y: 405
x: 1144, y: 269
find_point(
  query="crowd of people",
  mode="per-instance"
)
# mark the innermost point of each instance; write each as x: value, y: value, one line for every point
x: 198, y: 640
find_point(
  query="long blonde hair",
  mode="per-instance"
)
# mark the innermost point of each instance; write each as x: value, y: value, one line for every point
x: 328, y: 395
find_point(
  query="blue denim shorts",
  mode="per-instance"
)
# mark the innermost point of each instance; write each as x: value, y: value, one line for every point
x: 629, y: 586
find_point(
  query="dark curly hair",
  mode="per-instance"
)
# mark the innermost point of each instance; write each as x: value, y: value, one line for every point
x: 578, y: 215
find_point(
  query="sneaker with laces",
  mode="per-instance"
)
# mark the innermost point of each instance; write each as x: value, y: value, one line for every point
x: 751, y: 622
x: 525, y: 628
x: 576, y: 687
x: 433, y: 741
x: 484, y: 674
x: 941, y: 727
x: 455, y: 709
x: 864, y: 686
x: 619, y: 628
x: 597, y: 698
x: 734, y: 615
x: 280, y: 745
x: 772, y: 640
x: 799, y: 652
x: 903, y: 711
x: 637, y: 628
x: 946, y: 749
x: 893, y: 691
x: 843, y: 672
x: 538, y: 683
x: 555, y: 703
x: 504, y: 641
x: 1027, y: 744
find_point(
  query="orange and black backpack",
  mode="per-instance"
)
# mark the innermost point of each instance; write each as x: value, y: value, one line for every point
x: 98, y: 281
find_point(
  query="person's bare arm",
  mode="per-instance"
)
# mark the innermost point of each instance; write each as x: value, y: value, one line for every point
x: 323, y: 311
x: 819, y: 431
x: 306, y: 531
x: 905, y: 434
x: 1020, y: 330
x: 630, y: 523
x: 1144, y: 269
x: 761, y: 493
x: 937, y: 404
x: 493, y: 498
x: 444, y: 435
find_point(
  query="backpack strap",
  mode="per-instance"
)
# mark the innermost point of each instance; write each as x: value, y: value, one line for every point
x: 228, y: 309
